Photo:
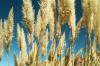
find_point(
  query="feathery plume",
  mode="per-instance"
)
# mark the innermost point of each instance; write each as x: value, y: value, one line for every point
x: 28, y: 15
x: 22, y: 45
x: 24, y: 56
x: 44, y: 15
x: 38, y: 24
x: 51, y: 18
x: 89, y: 15
x: 9, y: 30
x: 19, y: 36
x: 44, y: 43
x: 34, y: 52
x: 1, y: 39
x: 33, y: 55
x: 61, y: 44
x: 96, y: 25
x: 67, y: 11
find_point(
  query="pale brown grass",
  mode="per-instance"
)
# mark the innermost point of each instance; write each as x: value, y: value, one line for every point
x: 1, y: 39
x: 28, y: 14
x: 9, y: 30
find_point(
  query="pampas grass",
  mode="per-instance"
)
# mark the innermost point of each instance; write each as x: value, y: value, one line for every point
x: 47, y: 17
x: 1, y: 39
x: 51, y: 18
x: 15, y: 60
x: 28, y: 14
x: 44, y: 43
x: 61, y: 44
x: 9, y: 30
x: 52, y: 52
x: 22, y: 45
x: 19, y: 36
x: 67, y: 11
x: 44, y: 14
x: 38, y: 24
x: 58, y: 29
x: 67, y: 57
x: 34, y: 52
x: 96, y: 25
x: 23, y: 48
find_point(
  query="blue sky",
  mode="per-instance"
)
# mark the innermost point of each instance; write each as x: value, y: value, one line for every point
x: 5, y: 6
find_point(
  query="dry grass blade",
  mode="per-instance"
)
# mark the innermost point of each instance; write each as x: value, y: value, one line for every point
x: 52, y: 51
x: 15, y: 60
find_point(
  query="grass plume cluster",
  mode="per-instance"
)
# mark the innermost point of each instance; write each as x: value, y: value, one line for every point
x: 48, y: 30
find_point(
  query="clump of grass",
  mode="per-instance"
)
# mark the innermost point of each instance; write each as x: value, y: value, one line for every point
x: 9, y: 30
x: 28, y: 14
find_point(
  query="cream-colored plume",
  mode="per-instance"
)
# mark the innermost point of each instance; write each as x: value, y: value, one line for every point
x: 51, y: 17
x: 9, y: 30
x: 28, y: 14
x: 38, y: 24
x: 44, y: 43
x: 44, y: 14
x: 97, y: 25
x: 52, y: 51
x: 19, y: 36
x: 67, y: 12
x: 24, y: 55
x: 34, y: 52
x: 61, y: 44
x: 22, y: 45
x: 1, y: 39
x: 89, y: 15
